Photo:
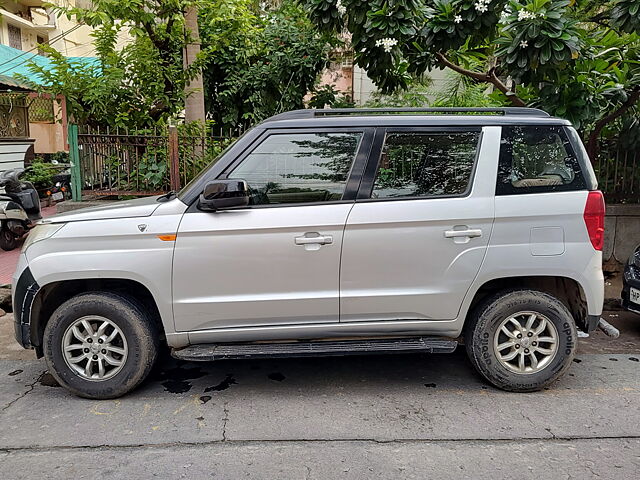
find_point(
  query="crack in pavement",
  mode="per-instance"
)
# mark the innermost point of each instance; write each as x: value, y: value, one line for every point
x: 30, y: 388
x: 224, y: 422
x: 399, y: 441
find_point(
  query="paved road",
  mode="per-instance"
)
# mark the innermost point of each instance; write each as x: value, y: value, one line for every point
x: 408, y: 416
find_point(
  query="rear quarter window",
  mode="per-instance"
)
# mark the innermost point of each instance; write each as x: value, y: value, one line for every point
x: 537, y: 159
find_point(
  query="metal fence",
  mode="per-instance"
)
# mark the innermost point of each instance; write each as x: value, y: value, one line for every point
x: 618, y: 172
x: 120, y: 162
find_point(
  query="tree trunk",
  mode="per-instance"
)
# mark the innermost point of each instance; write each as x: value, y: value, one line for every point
x: 194, y: 91
x: 489, y: 77
x: 593, y: 147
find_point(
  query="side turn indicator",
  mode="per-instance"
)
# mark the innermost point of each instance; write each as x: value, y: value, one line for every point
x: 167, y: 238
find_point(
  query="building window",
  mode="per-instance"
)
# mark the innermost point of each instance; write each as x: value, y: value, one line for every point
x: 41, y: 41
x: 15, y: 36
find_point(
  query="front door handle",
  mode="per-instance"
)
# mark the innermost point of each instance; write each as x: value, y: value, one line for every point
x: 314, y: 238
x: 472, y: 232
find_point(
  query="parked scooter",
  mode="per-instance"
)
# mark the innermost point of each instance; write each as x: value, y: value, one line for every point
x: 19, y: 208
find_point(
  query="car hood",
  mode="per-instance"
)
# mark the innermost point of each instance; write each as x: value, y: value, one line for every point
x: 140, y: 207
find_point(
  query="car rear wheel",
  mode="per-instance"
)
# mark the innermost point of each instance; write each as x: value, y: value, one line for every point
x: 521, y: 340
x: 100, y: 345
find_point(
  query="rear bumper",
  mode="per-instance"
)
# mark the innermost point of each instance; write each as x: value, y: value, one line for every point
x: 25, y: 290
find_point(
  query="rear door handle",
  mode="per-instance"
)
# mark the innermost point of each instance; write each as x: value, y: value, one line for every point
x: 314, y: 238
x: 470, y: 233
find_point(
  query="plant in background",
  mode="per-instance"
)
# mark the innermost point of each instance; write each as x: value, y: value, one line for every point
x: 575, y: 58
x: 263, y: 70
x: 132, y: 85
x: 415, y: 96
x: 327, y: 96
x: 460, y: 91
x: 152, y: 172
x: 40, y: 173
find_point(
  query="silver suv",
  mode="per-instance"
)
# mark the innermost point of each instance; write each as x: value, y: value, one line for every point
x: 333, y: 232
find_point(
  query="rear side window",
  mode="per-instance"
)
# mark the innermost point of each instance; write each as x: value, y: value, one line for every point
x: 537, y: 159
x: 426, y: 164
x: 299, y: 167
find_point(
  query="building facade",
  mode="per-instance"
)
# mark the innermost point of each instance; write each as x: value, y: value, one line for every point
x: 25, y: 25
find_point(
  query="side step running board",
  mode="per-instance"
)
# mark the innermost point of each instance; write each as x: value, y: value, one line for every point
x: 208, y: 352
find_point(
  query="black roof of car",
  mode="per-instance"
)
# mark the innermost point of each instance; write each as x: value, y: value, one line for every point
x: 393, y: 117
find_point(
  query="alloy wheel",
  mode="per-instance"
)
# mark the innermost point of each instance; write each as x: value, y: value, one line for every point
x: 94, y: 348
x: 526, y: 342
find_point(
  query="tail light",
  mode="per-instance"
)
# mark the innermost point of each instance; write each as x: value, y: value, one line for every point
x: 594, y: 218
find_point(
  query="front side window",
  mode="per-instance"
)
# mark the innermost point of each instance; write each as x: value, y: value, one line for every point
x: 299, y: 167
x: 426, y: 164
x: 537, y: 159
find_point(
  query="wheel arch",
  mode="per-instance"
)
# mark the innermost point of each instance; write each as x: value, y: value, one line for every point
x: 54, y: 294
x: 566, y: 289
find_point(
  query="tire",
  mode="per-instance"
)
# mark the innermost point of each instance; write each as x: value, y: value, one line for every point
x: 133, y: 350
x: 494, y: 364
x: 8, y: 240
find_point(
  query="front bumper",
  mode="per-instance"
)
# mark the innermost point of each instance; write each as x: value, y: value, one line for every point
x: 25, y: 290
x: 631, y: 278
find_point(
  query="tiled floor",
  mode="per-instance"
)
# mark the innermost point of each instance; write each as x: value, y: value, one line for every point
x: 9, y: 260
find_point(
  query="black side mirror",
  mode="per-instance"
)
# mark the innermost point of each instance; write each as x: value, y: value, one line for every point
x: 223, y: 194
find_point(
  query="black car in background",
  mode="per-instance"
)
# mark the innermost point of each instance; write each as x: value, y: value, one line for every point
x: 631, y: 283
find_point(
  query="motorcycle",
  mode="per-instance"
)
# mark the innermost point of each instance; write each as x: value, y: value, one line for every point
x: 19, y: 208
x: 61, y: 189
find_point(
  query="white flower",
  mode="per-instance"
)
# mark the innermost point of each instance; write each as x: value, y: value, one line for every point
x: 481, y: 6
x: 457, y: 19
x: 387, y: 43
x: 341, y: 8
x: 525, y: 15
x: 524, y: 44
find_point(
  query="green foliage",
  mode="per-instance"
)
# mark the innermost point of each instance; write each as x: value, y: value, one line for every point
x: 265, y: 69
x: 142, y: 82
x: 415, y: 96
x: 133, y: 85
x: 538, y: 40
x: 460, y: 92
x: 256, y: 61
x: 577, y: 59
x: 625, y: 15
x: 40, y: 173
x: 327, y: 96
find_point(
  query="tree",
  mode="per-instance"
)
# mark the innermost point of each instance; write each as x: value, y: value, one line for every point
x: 577, y: 59
x: 149, y: 70
x: 143, y: 81
x: 257, y: 59
x: 264, y: 69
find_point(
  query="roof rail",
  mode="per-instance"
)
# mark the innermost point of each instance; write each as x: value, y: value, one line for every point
x: 311, y: 113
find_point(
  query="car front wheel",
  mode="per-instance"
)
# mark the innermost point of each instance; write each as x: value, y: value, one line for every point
x: 100, y: 345
x: 521, y: 340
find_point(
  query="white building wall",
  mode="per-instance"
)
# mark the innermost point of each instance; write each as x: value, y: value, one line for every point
x: 363, y: 86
